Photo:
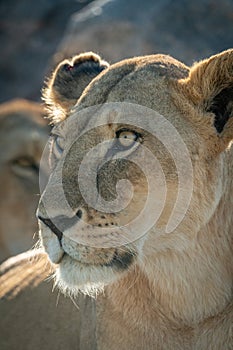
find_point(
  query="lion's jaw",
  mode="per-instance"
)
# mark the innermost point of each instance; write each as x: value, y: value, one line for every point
x: 86, y: 268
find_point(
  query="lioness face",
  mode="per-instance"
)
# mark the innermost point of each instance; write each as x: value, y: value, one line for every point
x: 136, y: 169
x: 23, y: 136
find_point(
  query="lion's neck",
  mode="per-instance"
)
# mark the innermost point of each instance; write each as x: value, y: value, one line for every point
x: 181, y: 297
x: 184, y: 287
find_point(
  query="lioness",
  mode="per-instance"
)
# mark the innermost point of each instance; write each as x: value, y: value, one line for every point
x: 171, y: 286
x: 23, y: 135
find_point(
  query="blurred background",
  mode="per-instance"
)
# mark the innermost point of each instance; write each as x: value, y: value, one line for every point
x: 35, y: 35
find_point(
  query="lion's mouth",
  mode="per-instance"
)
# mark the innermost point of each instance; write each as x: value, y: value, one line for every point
x: 117, y: 262
x: 118, y: 258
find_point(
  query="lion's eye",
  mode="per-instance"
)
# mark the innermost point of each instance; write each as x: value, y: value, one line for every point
x: 127, y: 138
x: 25, y: 166
x: 24, y: 162
x: 58, y: 146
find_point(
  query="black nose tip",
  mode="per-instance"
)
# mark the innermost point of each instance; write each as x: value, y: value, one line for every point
x: 79, y: 214
x: 52, y: 227
x: 61, y: 223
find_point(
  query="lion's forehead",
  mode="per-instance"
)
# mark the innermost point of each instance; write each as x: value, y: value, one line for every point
x: 141, y: 81
x: 110, y: 116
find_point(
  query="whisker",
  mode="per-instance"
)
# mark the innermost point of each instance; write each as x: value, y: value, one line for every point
x: 72, y: 299
x: 58, y: 296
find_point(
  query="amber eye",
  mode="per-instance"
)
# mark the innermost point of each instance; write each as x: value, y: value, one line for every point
x: 24, y: 165
x: 23, y: 162
x: 127, y: 138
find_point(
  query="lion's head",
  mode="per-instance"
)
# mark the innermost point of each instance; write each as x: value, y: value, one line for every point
x: 162, y: 126
x: 23, y: 135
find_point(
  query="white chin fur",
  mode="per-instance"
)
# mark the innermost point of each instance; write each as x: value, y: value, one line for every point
x: 54, y: 250
x: 73, y: 277
x: 51, y: 244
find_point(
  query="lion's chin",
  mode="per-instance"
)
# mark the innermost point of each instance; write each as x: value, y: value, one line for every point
x: 73, y: 277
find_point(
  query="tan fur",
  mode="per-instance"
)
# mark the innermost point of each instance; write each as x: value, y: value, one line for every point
x: 176, y: 290
x: 23, y: 135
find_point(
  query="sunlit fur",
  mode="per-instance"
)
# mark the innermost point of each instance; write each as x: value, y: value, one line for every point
x: 177, y: 293
x: 184, y: 278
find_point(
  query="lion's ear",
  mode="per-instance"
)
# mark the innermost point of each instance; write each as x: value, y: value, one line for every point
x: 68, y: 82
x: 210, y: 87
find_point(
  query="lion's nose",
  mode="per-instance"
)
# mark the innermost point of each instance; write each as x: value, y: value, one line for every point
x: 79, y: 214
x: 52, y: 227
x: 59, y: 223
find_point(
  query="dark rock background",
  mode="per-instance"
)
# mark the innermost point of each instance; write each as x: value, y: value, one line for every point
x: 186, y: 29
x: 30, y: 31
x: 33, y: 31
